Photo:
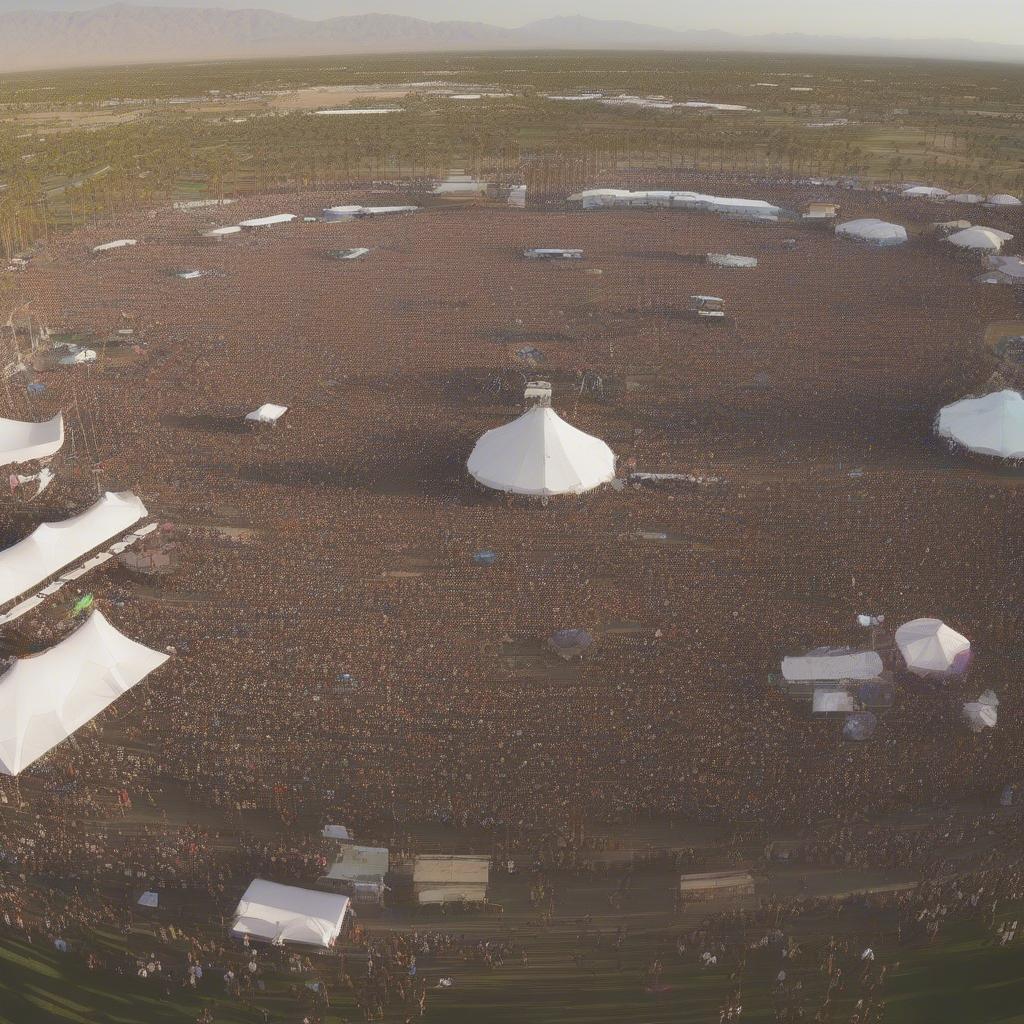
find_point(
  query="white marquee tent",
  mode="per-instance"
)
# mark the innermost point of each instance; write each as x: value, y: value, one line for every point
x: 1002, y: 199
x: 979, y: 239
x: 872, y: 230
x: 52, y: 546
x: 930, y: 647
x: 23, y: 442
x: 266, y: 222
x: 990, y: 425
x: 266, y: 413
x: 925, y: 192
x: 980, y: 715
x: 285, y: 913
x: 600, y: 197
x: 832, y: 665
x: 540, y: 454
x: 47, y: 697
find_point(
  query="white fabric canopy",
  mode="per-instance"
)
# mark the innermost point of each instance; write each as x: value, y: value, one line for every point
x: 977, y: 237
x: 597, y: 197
x: 832, y: 702
x: 336, y: 832
x: 267, y: 413
x: 927, y: 191
x: 980, y: 716
x: 930, y: 647
x: 285, y: 913
x: 990, y: 425
x: 873, y: 230
x: 265, y: 222
x: 1002, y: 199
x: 360, y: 864
x: 540, y: 454
x: 47, y: 697
x: 846, y: 665
x: 121, y: 243
x: 23, y: 442
x: 52, y: 546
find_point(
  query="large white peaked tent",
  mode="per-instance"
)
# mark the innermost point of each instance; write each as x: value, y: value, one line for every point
x: 990, y: 425
x: 285, y: 913
x: 930, y: 647
x: 925, y: 192
x: 23, y: 442
x: 46, y: 698
x: 872, y: 230
x: 979, y: 239
x: 540, y: 454
x: 52, y: 546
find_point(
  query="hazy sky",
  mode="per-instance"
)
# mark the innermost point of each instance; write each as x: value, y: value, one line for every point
x: 999, y: 21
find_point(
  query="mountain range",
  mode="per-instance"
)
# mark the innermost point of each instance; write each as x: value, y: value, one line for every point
x: 127, y: 33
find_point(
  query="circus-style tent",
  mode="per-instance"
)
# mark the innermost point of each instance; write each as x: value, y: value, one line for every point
x: 930, y: 647
x: 540, y: 454
x: 47, y: 697
x: 52, y: 546
x: 23, y: 442
x: 990, y: 425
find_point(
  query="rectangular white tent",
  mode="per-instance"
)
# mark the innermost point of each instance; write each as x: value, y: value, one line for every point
x: 52, y: 546
x: 825, y: 664
x: 359, y: 864
x: 285, y: 913
x: 47, y: 697
x: 266, y: 222
x: 267, y: 413
x: 23, y: 442
x: 832, y: 702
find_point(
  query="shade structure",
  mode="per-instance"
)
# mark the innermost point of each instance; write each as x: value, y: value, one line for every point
x: 286, y: 913
x: 979, y: 239
x: 52, y: 546
x: 121, y: 243
x: 266, y: 222
x: 23, y: 442
x: 990, y: 425
x: 540, y: 454
x: 827, y: 664
x: 930, y: 647
x: 1002, y: 199
x: 966, y: 197
x: 266, y: 413
x: 872, y: 230
x: 925, y: 192
x: 980, y: 716
x: 46, y: 698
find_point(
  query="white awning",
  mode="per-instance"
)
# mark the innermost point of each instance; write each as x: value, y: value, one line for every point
x: 23, y: 442
x: 540, y: 454
x: 267, y: 413
x: 844, y: 665
x: 285, y: 913
x: 990, y: 425
x: 52, y: 546
x: 47, y: 697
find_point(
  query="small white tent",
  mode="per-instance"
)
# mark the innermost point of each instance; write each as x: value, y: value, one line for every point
x: 47, y: 697
x: 872, y: 230
x: 930, y: 647
x: 121, y: 243
x: 23, y: 442
x: 540, y: 454
x: 266, y: 413
x: 925, y: 192
x: 266, y: 222
x: 980, y: 716
x: 979, y: 239
x: 1002, y: 199
x: 285, y: 913
x: 990, y: 425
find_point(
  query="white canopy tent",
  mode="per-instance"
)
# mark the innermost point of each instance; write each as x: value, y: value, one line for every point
x: 969, y: 198
x: 23, y: 442
x: 925, y: 192
x: 47, y: 697
x: 930, y: 647
x: 233, y: 229
x: 990, y: 425
x: 266, y: 413
x: 120, y: 243
x: 832, y: 702
x: 285, y: 913
x: 832, y: 665
x: 872, y: 230
x: 266, y: 222
x: 980, y: 716
x: 52, y: 546
x: 540, y: 454
x: 1002, y: 199
x: 979, y: 238
x: 601, y: 197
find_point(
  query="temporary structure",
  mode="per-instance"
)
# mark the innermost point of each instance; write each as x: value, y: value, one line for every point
x: 1002, y: 199
x: 359, y: 870
x: 872, y: 230
x: 47, y: 697
x: 285, y: 913
x: 725, y: 259
x: 540, y: 454
x: 604, y: 197
x: 121, y: 243
x: 990, y: 425
x: 266, y: 222
x: 930, y: 647
x: 709, y: 885
x: 234, y: 229
x: 832, y: 702
x: 553, y: 254
x: 23, y: 442
x: 266, y: 413
x: 982, y: 713
x: 442, y: 878
x: 925, y: 192
x: 52, y: 546
x: 979, y: 239
x: 970, y: 198
x: 832, y: 664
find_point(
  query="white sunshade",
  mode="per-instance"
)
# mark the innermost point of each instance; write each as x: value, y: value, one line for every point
x: 265, y: 222
x: 285, y: 913
x: 23, y: 442
x: 46, y: 698
x: 980, y: 238
x: 540, y: 454
x: 267, y: 413
x: 121, y: 243
x: 980, y: 716
x: 52, y: 546
x: 926, y: 191
x: 847, y: 665
x: 871, y: 229
x: 1002, y: 199
x: 930, y: 647
x: 990, y: 425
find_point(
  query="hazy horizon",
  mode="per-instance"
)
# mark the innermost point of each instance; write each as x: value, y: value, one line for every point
x: 991, y: 21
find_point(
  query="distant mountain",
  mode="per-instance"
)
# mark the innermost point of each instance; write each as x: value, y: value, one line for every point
x: 125, y: 33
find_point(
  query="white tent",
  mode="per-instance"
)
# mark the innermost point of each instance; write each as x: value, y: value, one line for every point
x: 234, y: 229
x: 1011, y: 268
x: 47, y: 697
x: 266, y: 413
x: 930, y: 647
x: 540, y: 454
x: 871, y: 229
x: 336, y: 832
x: 1002, y: 199
x: 990, y: 425
x: 285, y: 913
x: 979, y: 238
x: 359, y: 864
x: 23, y: 442
x: 832, y: 702
x: 599, y: 197
x: 266, y: 222
x: 832, y: 665
x: 121, y: 243
x: 980, y: 716
x: 965, y: 197
x: 925, y: 191
x: 52, y: 546
x: 727, y: 259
